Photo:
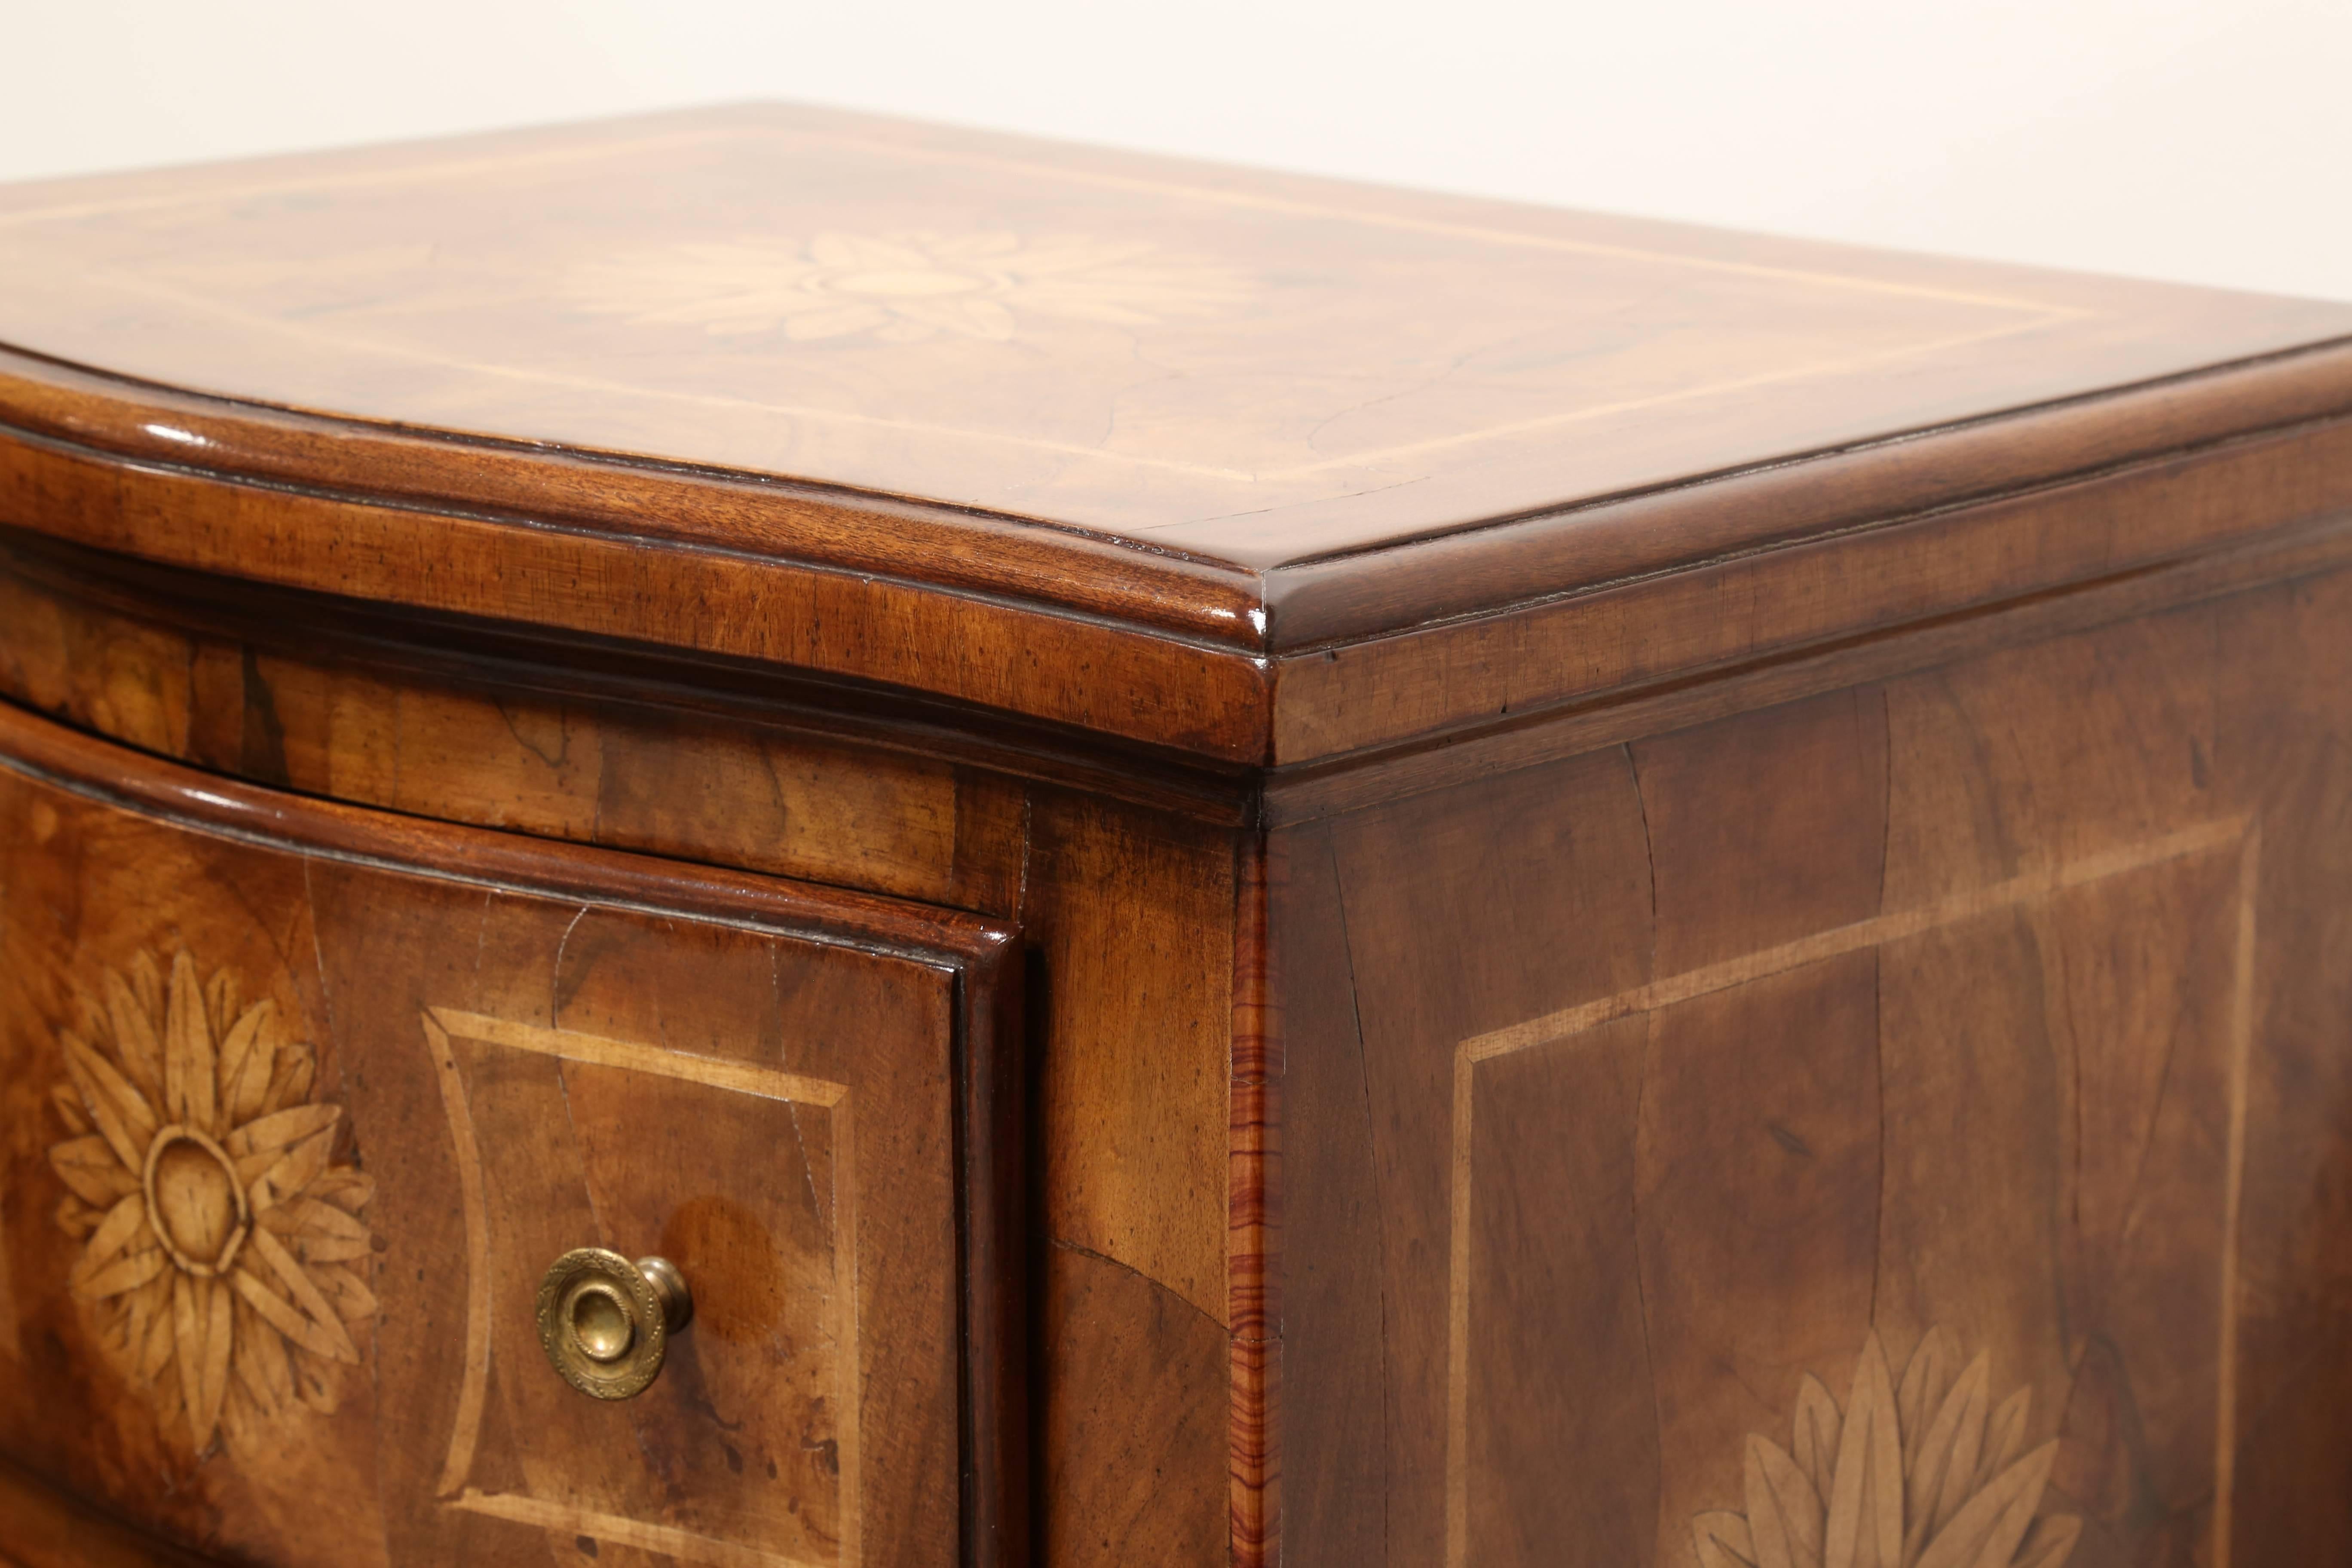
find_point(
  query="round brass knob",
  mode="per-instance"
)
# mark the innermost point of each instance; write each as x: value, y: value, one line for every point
x: 606, y: 1322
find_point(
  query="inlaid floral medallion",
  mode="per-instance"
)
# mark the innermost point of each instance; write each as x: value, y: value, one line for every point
x: 1924, y: 1473
x: 223, y: 1249
x: 902, y: 287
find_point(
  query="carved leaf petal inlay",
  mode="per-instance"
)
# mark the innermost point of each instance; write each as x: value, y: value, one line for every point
x: 223, y: 1248
x: 1925, y: 1473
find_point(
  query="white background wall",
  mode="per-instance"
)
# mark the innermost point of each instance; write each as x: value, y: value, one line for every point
x: 2209, y: 140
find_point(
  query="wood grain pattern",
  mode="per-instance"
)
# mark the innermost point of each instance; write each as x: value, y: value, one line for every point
x: 40, y: 1529
x: 1125, y: 1359
x: 534, y: 737
x: 1342, y: 784
x: 1462, y: 674
x: 1937, y: 1034
x: 1559, y: 858
x: 1461, y: 884
x: 1254, y: 1226
x: 1618, y: 538
x: 1015, y: 657
x: 746, y: 494
x: 610, y: 1094
x: 619, y: 1047
x: 1250, y: 368
x: 1336, y: 1497
x: 762, y: 783
x: 2296, y: 1250
x: 1134, y: 920
x: 1553, y: 642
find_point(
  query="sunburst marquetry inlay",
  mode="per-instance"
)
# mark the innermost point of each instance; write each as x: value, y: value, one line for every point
x: 223, y: 1249
x: 1924, y: 1472
x: 902, y: 287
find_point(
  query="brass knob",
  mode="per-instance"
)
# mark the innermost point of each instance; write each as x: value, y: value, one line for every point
x: 606, y: 1322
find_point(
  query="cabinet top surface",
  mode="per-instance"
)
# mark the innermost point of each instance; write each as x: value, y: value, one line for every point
x: 1243, y: 368
x: 1264, y: 469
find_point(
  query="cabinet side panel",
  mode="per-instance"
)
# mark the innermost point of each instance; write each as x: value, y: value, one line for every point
x: 1335, y: 1494
x: 2283, y: 718
x: 1818, y: 1131
x: 1409, y: 928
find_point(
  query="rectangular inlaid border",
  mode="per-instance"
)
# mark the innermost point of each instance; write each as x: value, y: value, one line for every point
x: 2025, y: 314
x: 441, y: 1024
x: 2239, y: 833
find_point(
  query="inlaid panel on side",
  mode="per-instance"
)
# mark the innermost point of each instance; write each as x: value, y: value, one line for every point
x: 1893, y: 1128
x: 2005, y: 1127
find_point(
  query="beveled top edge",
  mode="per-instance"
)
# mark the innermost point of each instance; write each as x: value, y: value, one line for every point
x: 1809, y: 554
x: 1809, y: 497
x: 960, y: 550
x: 1476, y: 569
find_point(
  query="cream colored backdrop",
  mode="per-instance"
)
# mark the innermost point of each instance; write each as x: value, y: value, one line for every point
x: 2209, y: 140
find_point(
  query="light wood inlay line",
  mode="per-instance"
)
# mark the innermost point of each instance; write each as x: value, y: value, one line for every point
x: 441, y: 1024
x: 1457, y: 1322
x: 682, y: 1545
x: 851, y: 1388
x: 741, y: 1078
x: 1476, y: 233
x: 2241, y: 1042
x: 476, y: 1382
x: 2021, y: 314
x: 2203, y: 839
x: 1680, y: 395
x: 1841, y: 940
x: 187, y: 301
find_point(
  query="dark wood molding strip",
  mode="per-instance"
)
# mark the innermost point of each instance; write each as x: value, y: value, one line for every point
x: 134, y: 781
x: 1130, y: 682
x: 1318, y: 791
x: 1104, y: 667
x: 390, y: 643
x: 952, y: 548
x: 1466, y: 676
x: 1254, y: 1216
x: 1484, y: 569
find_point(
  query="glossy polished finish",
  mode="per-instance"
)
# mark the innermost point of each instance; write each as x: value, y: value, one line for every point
x: 1252, y: 370
x: 433, y: 1058
x: 1239, y: 871
x: 1203, y: 432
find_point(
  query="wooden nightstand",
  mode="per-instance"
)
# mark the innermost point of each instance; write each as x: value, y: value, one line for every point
x: 1230, y: 868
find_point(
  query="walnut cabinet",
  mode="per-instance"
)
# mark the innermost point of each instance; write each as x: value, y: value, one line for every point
x: 1231, y: 869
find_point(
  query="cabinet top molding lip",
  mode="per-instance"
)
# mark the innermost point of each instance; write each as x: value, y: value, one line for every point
x: 1256, y: 416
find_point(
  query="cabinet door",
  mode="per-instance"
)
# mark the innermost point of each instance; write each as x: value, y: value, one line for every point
x: 303, y: 1101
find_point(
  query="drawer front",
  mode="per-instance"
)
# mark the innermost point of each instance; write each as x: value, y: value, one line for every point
x: 302, y: 1104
